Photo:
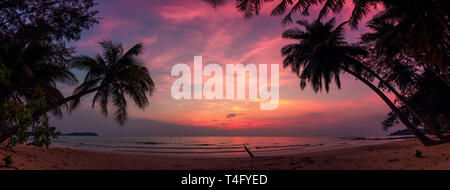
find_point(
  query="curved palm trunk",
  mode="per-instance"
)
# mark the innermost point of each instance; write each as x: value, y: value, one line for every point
x: 70, y: 98
x: 422, y: 138
x: 433, y: 129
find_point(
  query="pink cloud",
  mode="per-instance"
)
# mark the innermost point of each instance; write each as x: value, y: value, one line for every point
x: 180, y: 14
x: 148, y: 40
x: 175, y: 31
x: 105, y: 30
x: 186, y: 11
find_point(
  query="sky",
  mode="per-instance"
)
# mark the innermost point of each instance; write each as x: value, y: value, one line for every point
x: 175, y: 31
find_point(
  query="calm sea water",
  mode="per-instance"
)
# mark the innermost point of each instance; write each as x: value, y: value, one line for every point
x: 216, y: 146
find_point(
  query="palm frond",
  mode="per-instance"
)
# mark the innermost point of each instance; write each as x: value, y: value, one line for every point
x: 281, y: 7
x: 334, y: 6
x: 319, y: 54
x: 361, y: 8
x: 114, y: 75
x: 249, y: 7
x: 134, y: 51
x: 82, y: 62
x: 294, y: 33
x: 111, y: 51
x: 120, y: 103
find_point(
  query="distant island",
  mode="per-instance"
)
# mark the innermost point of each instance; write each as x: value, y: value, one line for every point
x: 80, y: 134
x: 407, y: 132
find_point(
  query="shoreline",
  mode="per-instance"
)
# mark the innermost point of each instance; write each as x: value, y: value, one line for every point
x: 292, y: 151
x: 391, y: 155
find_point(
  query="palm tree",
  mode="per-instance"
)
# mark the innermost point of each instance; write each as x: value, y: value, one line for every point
x: 402, y: 72
x: 418, y: 27
x: 424, y: 21
x: 322, y: 54
x: 430, y: 100
x: 34, y: 68
x: 113, y: 75
x: 35, y: 71
x: 250, y: 8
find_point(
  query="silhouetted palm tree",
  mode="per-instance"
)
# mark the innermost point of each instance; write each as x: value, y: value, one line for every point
x: 113, y: 75
x: 430, y: 99
x: 252, y: 7
x: 35, y: 71
x: 437, y: 9
x: 414, y: 27
x: 421, y: 25
x: 34, y: 68
x: 399, y: 76
x: 322, y: 54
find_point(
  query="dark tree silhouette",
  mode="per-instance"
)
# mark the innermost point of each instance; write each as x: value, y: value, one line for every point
x: 33, y: 56
x: 421, y: 25
x: 419, y: 28
x: 112, y: 75
x: 430, y: 99
x: 46, y: 19
x: 401, y: 72
x: 322, y: 54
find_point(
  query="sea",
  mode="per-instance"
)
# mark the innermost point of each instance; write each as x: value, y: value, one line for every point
x: 215, y: 146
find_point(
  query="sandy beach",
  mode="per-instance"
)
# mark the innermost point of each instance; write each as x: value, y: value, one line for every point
x: 394, y: 155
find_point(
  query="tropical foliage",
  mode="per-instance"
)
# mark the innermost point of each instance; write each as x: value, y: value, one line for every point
x: 113, y: 75
x: 406, y: 54
x: 321, y: 55
x: 418, y: 26
x: 34, y: 60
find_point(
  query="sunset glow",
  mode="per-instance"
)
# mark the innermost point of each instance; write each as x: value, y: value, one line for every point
x: 175, y: 31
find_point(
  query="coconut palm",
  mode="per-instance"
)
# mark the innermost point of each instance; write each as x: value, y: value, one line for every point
x: 430, y: 100
x: 401, y: 71
x: 112, y: 75
x: 322, y: 54
x: 413, y: 27
x: 422, y: 24
x: 33, y: 69
x: 250, y: 8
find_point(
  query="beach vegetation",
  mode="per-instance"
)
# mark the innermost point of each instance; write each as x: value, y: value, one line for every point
x: 321, y: 55
x: 35, y: 62
x: 406, y: 53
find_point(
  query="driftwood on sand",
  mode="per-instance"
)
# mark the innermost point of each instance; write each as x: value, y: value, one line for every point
x: 248, y: 151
